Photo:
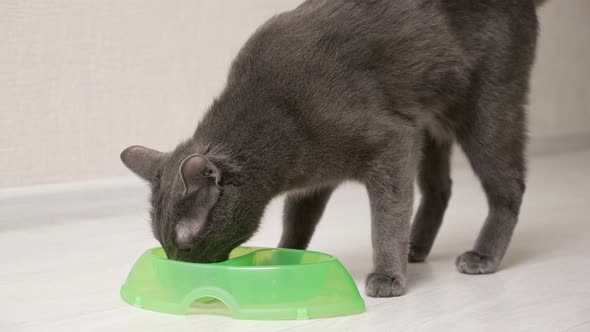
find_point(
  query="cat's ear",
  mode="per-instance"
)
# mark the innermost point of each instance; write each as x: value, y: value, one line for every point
x: 200, y: 177
x: 198, y: 171
x: 189, y: 227
x: 142, y: 161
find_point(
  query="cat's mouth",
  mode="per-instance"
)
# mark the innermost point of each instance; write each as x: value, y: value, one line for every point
x: 189, y: 256
x: 173, y: 253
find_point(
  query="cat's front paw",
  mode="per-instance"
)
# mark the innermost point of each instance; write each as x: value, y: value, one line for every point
x: 381, y: 285
x: 472, y: 262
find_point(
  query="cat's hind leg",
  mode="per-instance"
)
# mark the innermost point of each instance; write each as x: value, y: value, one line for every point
x: 494, y: 141
x: 434, y: 181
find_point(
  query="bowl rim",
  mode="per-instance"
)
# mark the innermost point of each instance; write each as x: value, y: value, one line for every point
x: 224, y: 265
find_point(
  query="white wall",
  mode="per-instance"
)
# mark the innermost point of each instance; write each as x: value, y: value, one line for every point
x: 560, y: 96
x: 81, y: 80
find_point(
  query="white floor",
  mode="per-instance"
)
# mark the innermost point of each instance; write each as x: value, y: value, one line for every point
x: 66, y: 255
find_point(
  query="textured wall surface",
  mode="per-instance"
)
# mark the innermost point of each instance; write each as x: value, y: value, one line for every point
x: 81, y: 80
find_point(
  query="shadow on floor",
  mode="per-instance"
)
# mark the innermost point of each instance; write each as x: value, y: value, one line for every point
x: 531, y: 244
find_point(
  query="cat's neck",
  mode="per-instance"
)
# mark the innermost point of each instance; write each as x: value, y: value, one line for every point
x: 254, y: 135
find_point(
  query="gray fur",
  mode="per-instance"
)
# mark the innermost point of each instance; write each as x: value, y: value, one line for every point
x: 373, y: 91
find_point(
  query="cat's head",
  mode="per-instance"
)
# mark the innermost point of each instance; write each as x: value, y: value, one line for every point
x: 192, y: 213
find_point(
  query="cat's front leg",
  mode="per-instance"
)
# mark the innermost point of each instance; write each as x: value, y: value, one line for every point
x: 391, y: 192
x: 301, y: 214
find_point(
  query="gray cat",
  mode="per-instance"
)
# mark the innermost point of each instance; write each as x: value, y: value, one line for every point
x: 374, y: 91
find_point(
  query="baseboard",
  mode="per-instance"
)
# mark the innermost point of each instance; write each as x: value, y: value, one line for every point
x: 539, y: 146
x: 98, y: 184
x: 560, y: 144
x: 43, y: 205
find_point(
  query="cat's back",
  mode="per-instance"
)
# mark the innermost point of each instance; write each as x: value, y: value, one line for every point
x: 324, y: 37
x: 379, y: 33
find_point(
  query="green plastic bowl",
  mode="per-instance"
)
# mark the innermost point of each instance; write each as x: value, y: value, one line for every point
x: 255, y: 283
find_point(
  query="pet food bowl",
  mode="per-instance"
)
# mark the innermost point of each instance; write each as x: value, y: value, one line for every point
x: 255, y: 283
